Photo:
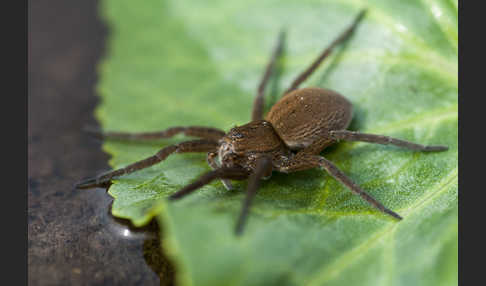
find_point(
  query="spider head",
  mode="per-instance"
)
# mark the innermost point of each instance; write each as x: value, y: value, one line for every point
x: 242, y: 145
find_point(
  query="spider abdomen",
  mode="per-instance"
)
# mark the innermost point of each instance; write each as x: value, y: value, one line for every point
x: 305, y: 115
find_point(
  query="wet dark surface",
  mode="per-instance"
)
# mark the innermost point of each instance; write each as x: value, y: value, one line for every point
x: 72, y: 238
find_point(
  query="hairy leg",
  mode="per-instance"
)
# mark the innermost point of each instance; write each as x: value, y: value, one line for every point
x: 385, y: 140
x: 263, y: 166
x: 258, y: 104
x: 212, y: 163
x: 196, y: 131
x: 222, y: 173
x: 305, y: 161
x: 342, y: 37
x: 345, y: 180
x: 183, y: 147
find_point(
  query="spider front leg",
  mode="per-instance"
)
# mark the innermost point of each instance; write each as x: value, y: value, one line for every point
x: 385, y: 140
x: 221, y: 173
x: 196, y: 131
x: 183, y: 147
x: 262, y: 169
x: 304, y: 161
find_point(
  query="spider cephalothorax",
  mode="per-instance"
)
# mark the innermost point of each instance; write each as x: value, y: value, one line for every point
x: 238, y: 146
x: 290, y: 138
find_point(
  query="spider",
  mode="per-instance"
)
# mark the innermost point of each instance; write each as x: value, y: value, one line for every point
x: 288, y: 139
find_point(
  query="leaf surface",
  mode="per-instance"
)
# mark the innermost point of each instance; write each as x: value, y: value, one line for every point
x: 187, y: 63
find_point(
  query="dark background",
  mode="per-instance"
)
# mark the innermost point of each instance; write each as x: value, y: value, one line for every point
x: 72, y: 238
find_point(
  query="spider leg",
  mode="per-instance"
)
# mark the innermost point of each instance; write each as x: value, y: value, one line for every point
x: 345, y: 180
x: 263, y: 166
x: 196, y: 131
x: 385, y: 140
x: 212, y: 163
x: 305, y: 161
x: 221, y: 173
x: 258, y: 104
x: 183, y: 147
x: 342, y: 37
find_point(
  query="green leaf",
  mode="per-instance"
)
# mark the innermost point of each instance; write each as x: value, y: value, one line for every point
x: 199, y: 62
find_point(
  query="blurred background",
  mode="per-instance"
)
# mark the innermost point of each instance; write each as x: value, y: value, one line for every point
x: 72, y: 238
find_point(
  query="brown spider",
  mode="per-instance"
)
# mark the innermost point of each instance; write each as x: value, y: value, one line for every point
x: 290, y: 138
